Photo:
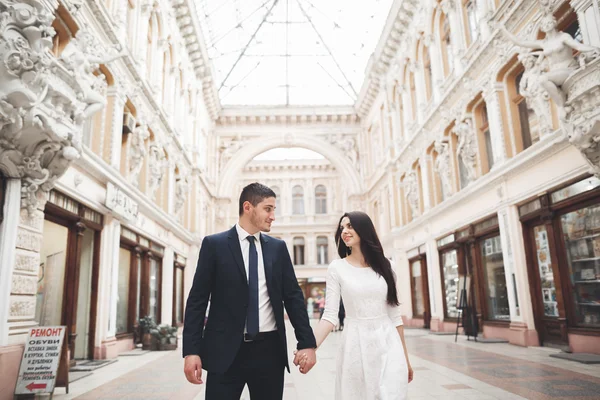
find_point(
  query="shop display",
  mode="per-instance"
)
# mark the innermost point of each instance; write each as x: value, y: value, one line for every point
x: 546, y: 274
x: 450, y: 270
x: 495, y: 278
x: 581, y: 231
x: 417, y: 287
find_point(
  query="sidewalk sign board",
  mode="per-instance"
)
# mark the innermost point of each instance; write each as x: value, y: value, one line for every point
x: 39, y: 364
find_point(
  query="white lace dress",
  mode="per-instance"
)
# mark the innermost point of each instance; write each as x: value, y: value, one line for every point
x: 371, y: 364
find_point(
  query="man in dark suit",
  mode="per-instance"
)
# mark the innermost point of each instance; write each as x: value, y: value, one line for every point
x: 249, y: 278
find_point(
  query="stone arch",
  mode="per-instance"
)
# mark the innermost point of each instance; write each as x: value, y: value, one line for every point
x: 260, y: 145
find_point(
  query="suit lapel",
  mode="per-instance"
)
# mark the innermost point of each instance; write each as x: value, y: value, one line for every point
x: 267, y: 260
x: 236, y: 251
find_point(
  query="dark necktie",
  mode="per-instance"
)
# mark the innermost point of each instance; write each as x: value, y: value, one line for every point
x: 252, y: 316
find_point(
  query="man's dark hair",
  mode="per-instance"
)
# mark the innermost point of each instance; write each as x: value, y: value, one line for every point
x: 254, y: 193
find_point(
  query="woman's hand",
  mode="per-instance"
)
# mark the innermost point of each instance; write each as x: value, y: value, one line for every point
x: 410, y: 374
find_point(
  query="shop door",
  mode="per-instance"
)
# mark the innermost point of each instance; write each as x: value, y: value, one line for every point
x: 544, y: 273
x: 420, y: 290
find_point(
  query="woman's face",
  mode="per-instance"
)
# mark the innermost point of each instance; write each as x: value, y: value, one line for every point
x: 349, y: 235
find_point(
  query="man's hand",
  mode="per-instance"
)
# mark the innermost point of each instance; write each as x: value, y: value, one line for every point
x: 193, y: 369
x: 306, y: 358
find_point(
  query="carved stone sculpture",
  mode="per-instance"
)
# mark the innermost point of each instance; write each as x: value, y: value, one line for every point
x: 467, y: 148
x: 182, y: 189
x: 535, y: 95
x: 228, y: 149
x: 442, y: 166
x: 557, y: 47
x: 412, y: 194
x: 157, y: 164
x: 137, y: 152
x: 41, y: 103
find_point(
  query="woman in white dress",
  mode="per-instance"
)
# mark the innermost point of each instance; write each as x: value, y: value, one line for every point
x: 372, y: 362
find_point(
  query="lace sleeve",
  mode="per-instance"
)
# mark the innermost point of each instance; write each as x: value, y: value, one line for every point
x: 332, y: 296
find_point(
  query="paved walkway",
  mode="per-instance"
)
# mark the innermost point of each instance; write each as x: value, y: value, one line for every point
x: 443, y: 370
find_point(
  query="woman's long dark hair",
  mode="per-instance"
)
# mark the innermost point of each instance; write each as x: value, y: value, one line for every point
x: 371, y: 249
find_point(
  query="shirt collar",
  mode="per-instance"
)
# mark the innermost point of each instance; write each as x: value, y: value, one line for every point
x: 242, y: 234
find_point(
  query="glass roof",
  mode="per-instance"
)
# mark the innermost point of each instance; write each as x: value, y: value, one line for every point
x: 291, y: 52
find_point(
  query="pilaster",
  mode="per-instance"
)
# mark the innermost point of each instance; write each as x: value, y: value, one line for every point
x: 492, y: 100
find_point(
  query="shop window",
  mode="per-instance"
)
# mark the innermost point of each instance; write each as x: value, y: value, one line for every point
x: 298, y: 200
x: 450, y: 280
x: 416, y: 279
x: 123, y: 291
x: 51, y: 274
x: 277, y: 192
x: 154, y: 289
x: 298, y: 251
x: 322, y: 250
x: 575, y: 189
x: 321, y: 200
x: 178, y: 295
x: 581, y: 229
x: 496, y: 294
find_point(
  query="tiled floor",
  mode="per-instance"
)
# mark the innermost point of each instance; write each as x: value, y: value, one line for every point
x: 443, y: 370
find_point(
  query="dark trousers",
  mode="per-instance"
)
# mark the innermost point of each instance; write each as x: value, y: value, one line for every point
x: 259, y: 365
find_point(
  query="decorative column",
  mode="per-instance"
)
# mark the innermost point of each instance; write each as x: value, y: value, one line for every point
x: 492, y: 100
x: 449, y: 8
x: 517, y: 280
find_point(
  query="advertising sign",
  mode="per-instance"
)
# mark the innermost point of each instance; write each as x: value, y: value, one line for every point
x: 41, y: 357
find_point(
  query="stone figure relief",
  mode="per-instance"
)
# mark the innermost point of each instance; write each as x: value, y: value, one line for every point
x: 442, y: 166
x: 412, y: 194
x: 535, y: 95
x: 467, y: 148
x: 182, y: 189
x: 137, y: 152
x: 346, y: 143
x: 83, y: 56
x: 157, y: 165
x: 557, y: 47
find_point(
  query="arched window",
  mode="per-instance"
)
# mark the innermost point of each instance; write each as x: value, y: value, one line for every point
x: 66, y: 28
x: 277, y: 192
x: 526, y: 121
x: 322, y: 249
x: 298, y: 250
x: 413, y: 95
x: 320, y: 200
x: 298, y: 200
x: 446, y: 40
x: 470, y: 14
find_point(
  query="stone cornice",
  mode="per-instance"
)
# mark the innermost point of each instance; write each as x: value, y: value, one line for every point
x: 397, y: 24
x: 287, y: 115
x: 189, y: 26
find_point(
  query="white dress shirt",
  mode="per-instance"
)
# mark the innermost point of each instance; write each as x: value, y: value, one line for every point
x: 266, y: 317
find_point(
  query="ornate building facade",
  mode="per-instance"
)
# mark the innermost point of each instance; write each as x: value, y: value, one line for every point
x: 479, y: 123
x: 472, y: 144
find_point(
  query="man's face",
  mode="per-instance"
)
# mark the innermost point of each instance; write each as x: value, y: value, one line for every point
x: 263, y: 215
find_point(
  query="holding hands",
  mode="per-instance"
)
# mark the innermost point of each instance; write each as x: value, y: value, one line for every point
x: 306, y: 359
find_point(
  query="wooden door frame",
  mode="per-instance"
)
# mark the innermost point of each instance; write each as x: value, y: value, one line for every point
x: 76, y: 226
x: 424, y: 287
x: 546, y: 220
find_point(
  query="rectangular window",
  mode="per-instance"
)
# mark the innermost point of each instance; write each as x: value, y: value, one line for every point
x: 299, y: 254
x: 581, y: 230
x: 154, y: 286
x: 178, y: 296
x: 123, y: 291
x: 488, y: 148
x: 496, y: 294
x: 417, y: 288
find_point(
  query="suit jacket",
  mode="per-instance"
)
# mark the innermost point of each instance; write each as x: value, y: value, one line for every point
x: 221, y: 276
